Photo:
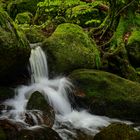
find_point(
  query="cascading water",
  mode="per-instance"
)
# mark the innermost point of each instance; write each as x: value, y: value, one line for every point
x: 38, y: 64
x: 55, y: 91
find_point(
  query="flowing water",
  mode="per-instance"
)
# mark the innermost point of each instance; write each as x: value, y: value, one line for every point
x: 56, y: 91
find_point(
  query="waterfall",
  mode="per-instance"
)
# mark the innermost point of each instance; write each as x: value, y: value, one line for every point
x: 56, y: 93
x: 39, y: 68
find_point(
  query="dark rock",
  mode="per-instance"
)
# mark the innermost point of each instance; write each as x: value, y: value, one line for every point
x: 38, y: 102
x: 38, y: 133
x: 12, y: 130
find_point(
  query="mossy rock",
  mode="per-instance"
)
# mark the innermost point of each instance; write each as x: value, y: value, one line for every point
x: 69, y: 48
x: 14, y: 50
x: 23, y: 18
x: 117, y: 62
x: 133, y: 48
x: 38, y: 102
x: 34, y: 34
x: 118, y: 131
x: 20, y: 6
x: 108, y: 94
x: 85, y: 15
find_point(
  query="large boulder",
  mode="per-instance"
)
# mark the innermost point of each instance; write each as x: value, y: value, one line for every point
x: 108, y: 94
x: 118, y: 131
x: 14, y: 50
x: 69, y: 48
x: 38, y: 102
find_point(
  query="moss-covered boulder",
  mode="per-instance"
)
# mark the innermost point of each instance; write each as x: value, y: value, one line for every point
x: 69, y: 48
x: 20, y: 6
x: 23, y: 18
x: 133, y: 47
x: 38, y: 102
x: 108, y: 94
x: 118, y: 131
x: 14, y: 50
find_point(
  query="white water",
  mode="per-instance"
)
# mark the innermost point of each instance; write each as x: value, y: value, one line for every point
x: 56, y: 92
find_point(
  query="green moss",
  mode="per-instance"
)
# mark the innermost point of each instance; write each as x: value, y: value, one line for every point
x: 109, y: 94
x: 133, y: 47
x: 23, y: 18
x: 22, y: 6
x: 34, y: 34
x: 118, y: 63
x: 85, y: 15
x: 69, y: 48
x: 118, y: 131
x: 14, y: 49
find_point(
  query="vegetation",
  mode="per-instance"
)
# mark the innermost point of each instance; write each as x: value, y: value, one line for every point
x: 95, y: 42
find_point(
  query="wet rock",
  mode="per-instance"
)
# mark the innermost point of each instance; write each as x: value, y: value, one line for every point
x: 69, y: 48
x: 108, y: 94
x: 12, y: 130
x: 118, y: 131
x: 44, y: 114
x: 38, y: 133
